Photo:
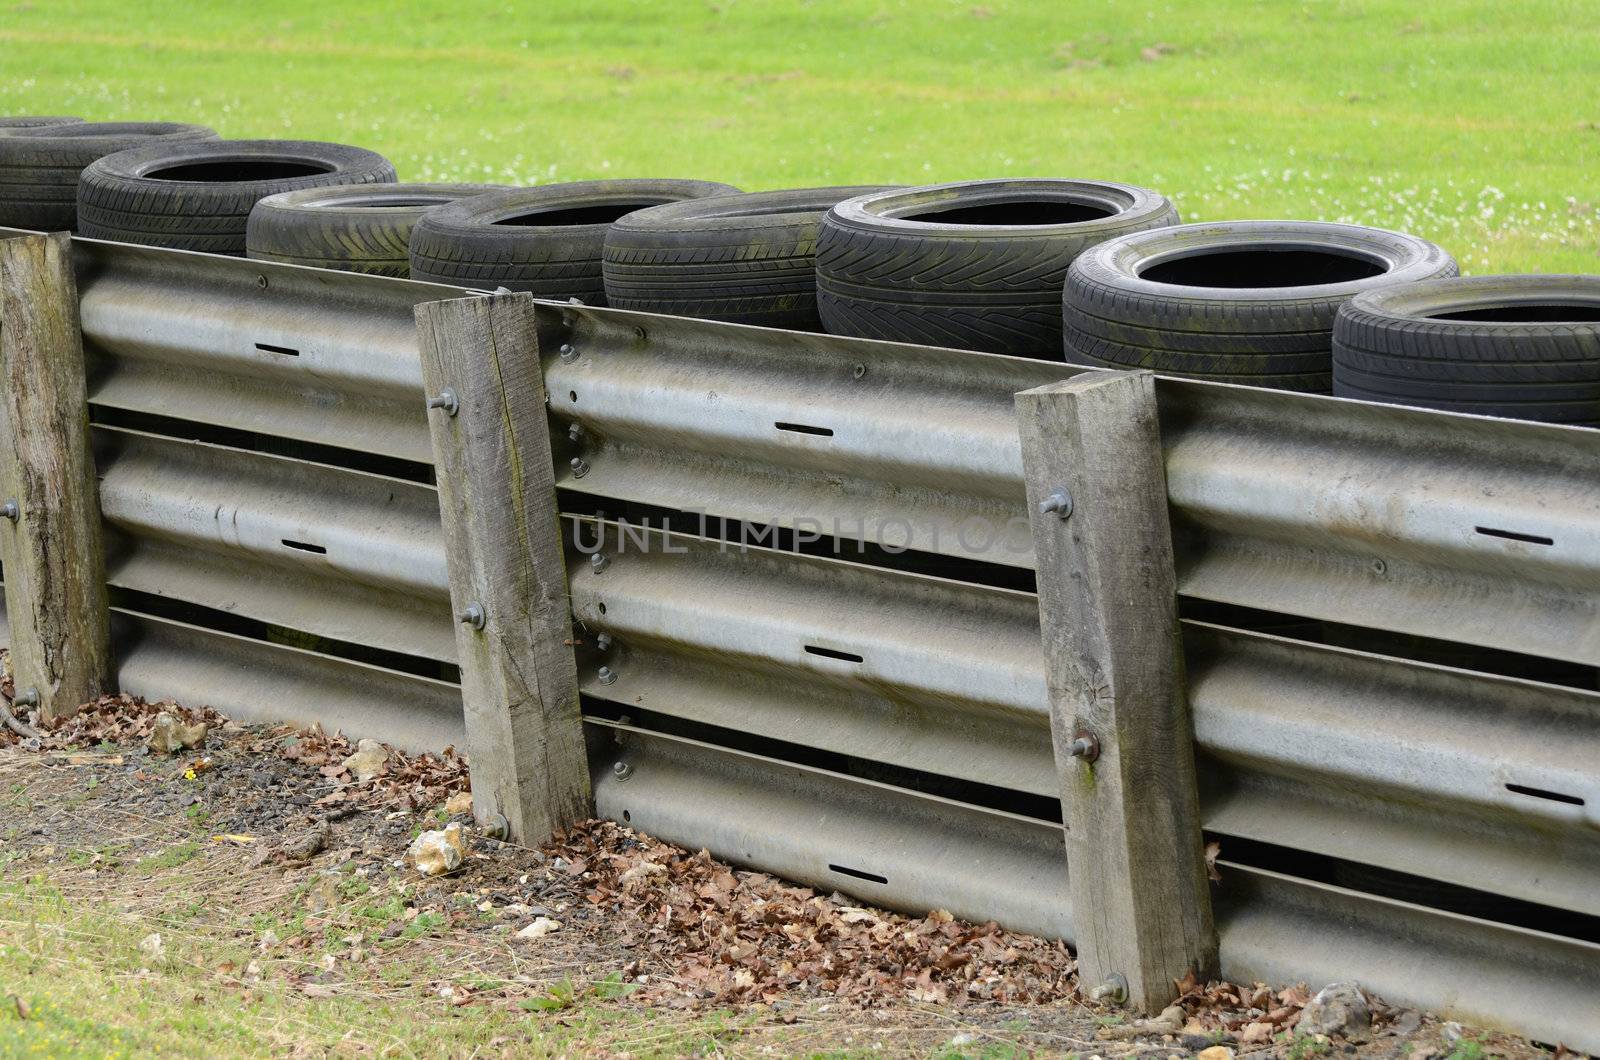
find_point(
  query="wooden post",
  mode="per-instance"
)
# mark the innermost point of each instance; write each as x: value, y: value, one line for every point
x: 508, y: 584
x: 50, y: 542
x: 1119, y: 718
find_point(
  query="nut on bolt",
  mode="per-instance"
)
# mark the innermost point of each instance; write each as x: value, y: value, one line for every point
x: 472, y: 615
x: 1114, y: 989
x: 598, y: 563
x: 606, y: 675
x: 1085, y: 745
x: 445, y: 399
x: 569, y: 353
x: 1059, y: 501
x: 579, y: 468
x: 621, y: 770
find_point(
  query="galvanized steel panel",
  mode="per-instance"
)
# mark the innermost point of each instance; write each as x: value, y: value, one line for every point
x: 339, y: 553
x: 904, y: 850
x: 310, y: 354
x: 253, y: 681
x: 1279, y: 929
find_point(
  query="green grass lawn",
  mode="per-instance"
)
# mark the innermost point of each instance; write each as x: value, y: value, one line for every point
x: 1473, y: 123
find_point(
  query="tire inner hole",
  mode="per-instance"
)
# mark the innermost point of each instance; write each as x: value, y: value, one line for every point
x: 1263, y: 268
x: 1017, y: 213
x: 577, y: 215
x: 1549, y: 312
x: 237, y: 170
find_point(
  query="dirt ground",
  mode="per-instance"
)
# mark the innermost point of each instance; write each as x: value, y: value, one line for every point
x: 254, y: 888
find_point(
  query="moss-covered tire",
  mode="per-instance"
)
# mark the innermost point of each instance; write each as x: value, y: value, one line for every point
x: 749, y: 259
x: 1521, y: 347
x: 549, y: 239
x: 1248, y: 302
x: 354, y: 228
x: 977, y: 265
x: 198, y: 196
x: 40, y: 165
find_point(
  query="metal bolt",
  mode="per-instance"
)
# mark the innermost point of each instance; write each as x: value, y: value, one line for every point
x: 603, y: 642
x: 1114, y: 989
x: 1060, y: 502
x: 607, y: 675
x: 1085, y: 745
x: 569, y: 353
x: 11, y: 510
x: 28, y: 697
x: 472, y: 616
x: 445, y: 399
x: 621, y: 770
x: 575, y: 434
x: 497, y: 827
x: 579, y: 468
x: 598, y: 563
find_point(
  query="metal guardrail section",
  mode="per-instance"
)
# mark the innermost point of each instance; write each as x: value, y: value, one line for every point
x: 1461, y: 528
x: 913, y: 852
x: 343, y: 554
x: 899, y: 848
x: 251, y: 680
x: 897, y: 444
x: 1453, y: 527
x: 308, y: 354
x: 1481, y: 781
x: 890, y: 667
x: 1277, y: 929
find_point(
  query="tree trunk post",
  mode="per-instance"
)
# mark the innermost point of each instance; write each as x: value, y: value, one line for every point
x: 50, y: 537
x: 508, y: 585
x: 1119, y: 718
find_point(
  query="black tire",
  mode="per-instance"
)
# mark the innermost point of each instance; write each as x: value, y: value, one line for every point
x: 354, y: 228
x: 34, y: 121
x: 40, y: 165
x: 977, y: 264
x: 549, y: 239
x: 1248, y: 302
x: 198, y: 196
x: 749, y: 259
x: 1521, y: 347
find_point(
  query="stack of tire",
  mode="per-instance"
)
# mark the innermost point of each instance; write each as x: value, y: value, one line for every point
x: 747, y: 259
x: 1523, y: 347
x: 1249, y: 302
x: 198, y: 196
x: 978, y: 265
x: 42, y: 160
x: 352, y: 228
x: 549, y: 240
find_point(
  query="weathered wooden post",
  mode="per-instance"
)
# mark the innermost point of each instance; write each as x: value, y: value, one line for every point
x: 508, y: 585
x: 50, y: 537
x: 1119, y: 719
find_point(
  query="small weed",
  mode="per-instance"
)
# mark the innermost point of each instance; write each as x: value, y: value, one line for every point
x: 170, y: 858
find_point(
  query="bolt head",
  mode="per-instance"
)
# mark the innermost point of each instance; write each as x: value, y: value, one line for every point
x: 606, y: 675
x: 621, y: 770
x: 598, y: 563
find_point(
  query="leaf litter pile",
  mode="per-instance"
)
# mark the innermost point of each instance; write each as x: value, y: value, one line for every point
x: 679, y: 929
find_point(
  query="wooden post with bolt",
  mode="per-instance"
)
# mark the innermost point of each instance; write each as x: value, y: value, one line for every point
x: 508, y: 583
x: 50, y: 538
x: 1119, y: 718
